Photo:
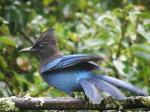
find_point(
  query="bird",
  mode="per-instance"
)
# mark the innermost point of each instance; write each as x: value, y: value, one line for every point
x: 76, y: 72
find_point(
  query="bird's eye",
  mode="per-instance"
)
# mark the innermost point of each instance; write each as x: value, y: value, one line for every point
x: 41, y: 46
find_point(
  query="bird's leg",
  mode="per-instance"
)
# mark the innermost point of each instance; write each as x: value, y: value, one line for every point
x: 71, y: 94
x: 85, y: 99
x: 88, y: 101
x: 81, y: 96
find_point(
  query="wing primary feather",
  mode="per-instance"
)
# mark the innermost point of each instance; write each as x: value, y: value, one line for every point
x: 75, y: 59
x: 68, y: 61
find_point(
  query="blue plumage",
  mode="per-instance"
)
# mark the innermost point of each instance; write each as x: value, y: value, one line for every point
x: 66, y: 61
x: 75, y: 73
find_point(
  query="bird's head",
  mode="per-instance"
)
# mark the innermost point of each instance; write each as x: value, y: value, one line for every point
x: 45, y: 46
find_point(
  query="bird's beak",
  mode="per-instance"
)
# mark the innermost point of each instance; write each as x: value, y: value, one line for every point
x: 26, y: 49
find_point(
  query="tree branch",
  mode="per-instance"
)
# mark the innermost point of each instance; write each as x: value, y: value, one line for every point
x: 47, y: 103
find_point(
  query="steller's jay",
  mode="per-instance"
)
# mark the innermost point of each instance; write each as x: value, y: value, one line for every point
x: 75, y: 73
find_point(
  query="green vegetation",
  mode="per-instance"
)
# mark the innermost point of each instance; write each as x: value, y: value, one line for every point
x: 118, y: 29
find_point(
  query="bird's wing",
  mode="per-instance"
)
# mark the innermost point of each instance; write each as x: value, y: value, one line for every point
x: 69, y: 60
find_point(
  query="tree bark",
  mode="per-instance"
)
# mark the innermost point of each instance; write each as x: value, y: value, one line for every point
x: 47, y: 103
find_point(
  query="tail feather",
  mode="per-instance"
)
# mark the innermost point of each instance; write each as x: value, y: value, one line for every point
x: 93, y: 86
x: 91, y: 91
x: 122, y: 84
x: 105, y: 86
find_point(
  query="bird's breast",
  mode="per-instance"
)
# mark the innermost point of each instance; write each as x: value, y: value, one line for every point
x: 66, y: 79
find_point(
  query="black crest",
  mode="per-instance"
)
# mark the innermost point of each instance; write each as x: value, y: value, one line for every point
x: 47, y: 37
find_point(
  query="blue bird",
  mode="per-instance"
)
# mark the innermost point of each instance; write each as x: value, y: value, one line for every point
x: 75, y: 73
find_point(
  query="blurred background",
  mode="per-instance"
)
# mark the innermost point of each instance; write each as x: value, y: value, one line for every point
x: 118, y: 29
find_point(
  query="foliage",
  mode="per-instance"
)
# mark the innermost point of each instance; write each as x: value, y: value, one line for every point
x: 118, y: 29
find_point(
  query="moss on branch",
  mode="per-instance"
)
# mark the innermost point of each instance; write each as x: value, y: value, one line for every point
x: 47, y: 103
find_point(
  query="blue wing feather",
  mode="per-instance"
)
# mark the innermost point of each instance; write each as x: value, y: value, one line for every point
x: 75, y: 59
x: 50, y: 65
x: 67, y: 61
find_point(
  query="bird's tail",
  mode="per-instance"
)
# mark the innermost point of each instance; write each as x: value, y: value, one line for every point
x: 93, y: 86
x: 122, y: 84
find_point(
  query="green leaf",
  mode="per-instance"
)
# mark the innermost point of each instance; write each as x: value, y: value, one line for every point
x: 143, y: 33
x: 7, y: 41
x: 3, y: 63
x: 141, y: 47
x: 144, y: 15
x: 2, y: 76
x: 142, y: 55
x: 142, y: 50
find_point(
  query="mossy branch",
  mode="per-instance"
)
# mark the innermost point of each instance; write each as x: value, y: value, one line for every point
x: 47, y: 103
